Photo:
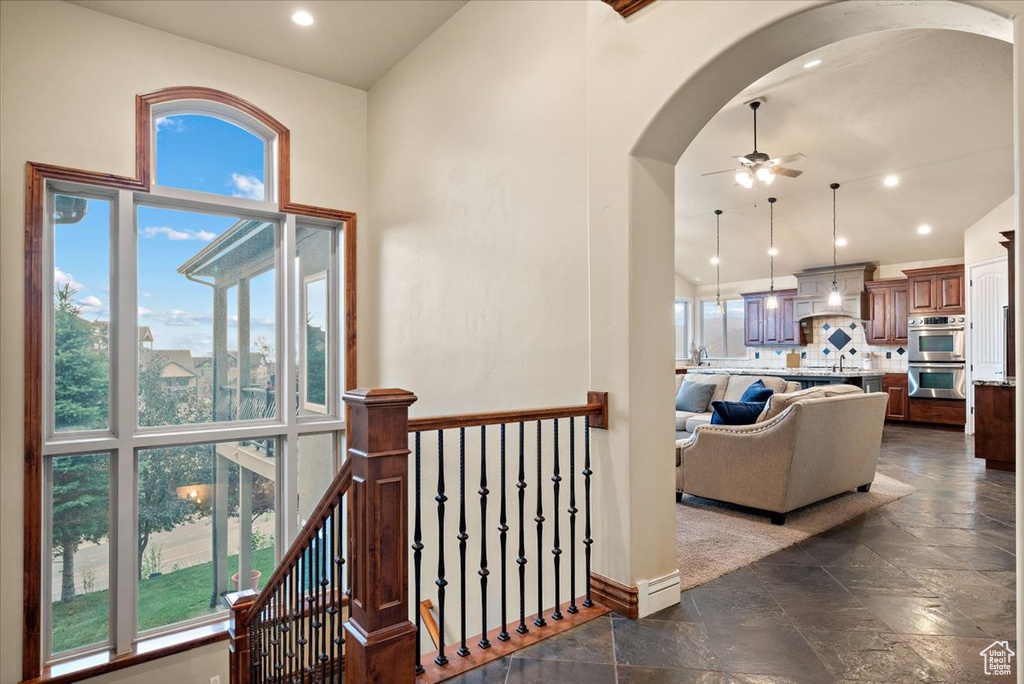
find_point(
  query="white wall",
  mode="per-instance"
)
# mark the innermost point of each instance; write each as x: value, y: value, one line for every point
x: 982, y: 239
x: 68, y: 80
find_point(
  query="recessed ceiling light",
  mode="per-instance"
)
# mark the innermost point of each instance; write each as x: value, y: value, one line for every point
x: 841, y: 242
x: 813, y: 63
x: 303, y: 18
x: 891, y: 181
x: 714, y: 261
x: 697, y: 278
x: 773, y: 252
x: 924, y: 229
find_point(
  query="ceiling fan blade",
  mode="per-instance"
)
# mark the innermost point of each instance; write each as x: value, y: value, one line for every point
x: 715, y: 173
x: 788, y: 173
x: 787, y: 159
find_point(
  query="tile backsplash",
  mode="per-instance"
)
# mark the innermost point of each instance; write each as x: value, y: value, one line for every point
x: 831, y: 337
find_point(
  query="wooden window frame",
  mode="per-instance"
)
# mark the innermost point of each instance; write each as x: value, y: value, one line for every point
x: 38, y: 175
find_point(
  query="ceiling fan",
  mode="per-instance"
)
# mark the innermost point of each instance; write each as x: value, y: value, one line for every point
x: 758, y: 165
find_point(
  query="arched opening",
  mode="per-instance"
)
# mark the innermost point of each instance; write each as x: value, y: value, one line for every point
x: 651, y: 198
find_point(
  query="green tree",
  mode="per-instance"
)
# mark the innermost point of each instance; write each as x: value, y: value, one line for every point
x: 316, y: 364
x: 81, y: 484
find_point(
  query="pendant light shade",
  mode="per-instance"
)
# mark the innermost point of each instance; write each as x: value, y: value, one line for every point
x: 771, y: 302
x: 718, y: 310
x: 835, y: 300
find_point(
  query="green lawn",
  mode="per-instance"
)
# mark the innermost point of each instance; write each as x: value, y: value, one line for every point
x: 164, y: 600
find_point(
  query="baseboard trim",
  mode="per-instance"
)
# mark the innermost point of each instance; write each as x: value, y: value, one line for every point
x: 622, y: 599
x: 657, y: 594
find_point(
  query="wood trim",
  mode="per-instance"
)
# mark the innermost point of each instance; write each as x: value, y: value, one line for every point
x: 128, y: 660
x: 627, y: 7
x: 884, y: 283
x: 37, y: 174
x: 620, y: 598
x: 429, y: 622
x: 457, y: 665
x: 599, y: 421
x: 594, y: 409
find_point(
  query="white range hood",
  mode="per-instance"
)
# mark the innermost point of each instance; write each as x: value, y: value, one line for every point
x: 814, y: 285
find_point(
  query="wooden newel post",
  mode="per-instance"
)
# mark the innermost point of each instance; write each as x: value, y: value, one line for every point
x: 381, y: 643
x: 239, y: 650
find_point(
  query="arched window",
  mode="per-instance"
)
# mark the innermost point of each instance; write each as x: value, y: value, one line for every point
x: 184, y: 329
x: 214, y: 148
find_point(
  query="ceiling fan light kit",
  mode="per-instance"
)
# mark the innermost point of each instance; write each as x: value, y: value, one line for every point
x: 835, y: 300
x: 758, y: 166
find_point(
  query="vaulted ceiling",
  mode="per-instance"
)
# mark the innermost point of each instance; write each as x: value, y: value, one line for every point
x: 933, y: 107
x: 353, y: 42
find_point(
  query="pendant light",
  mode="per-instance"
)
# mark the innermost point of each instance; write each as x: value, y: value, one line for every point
x: 772, y: 302
x: 835, y: 300
x: 718, y: 310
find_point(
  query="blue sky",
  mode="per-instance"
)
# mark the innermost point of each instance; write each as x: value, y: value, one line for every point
x: 193, y: 152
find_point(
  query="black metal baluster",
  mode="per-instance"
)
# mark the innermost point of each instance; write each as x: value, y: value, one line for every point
x: 300, y: 596
x: 417, y: 556
x: 587, y: 472
x: 462, y: 537
x: 344, y: 595
x: 521, y: 559
x: 335, y: 609
x: 278, y: 634
x: 324, y: 583
x: 310, y: 647
x: 294, y: 588
x: 539, y: 519
x: 285, y: 587
x: 572, y: 609
x: 556, y: 480
x: 441, y: 581
x: 484, y: 572
x: 503, y: 530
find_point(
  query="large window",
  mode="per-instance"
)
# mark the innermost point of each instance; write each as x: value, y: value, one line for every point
x: 682, y: 315
x: 183, y: 356
x: 722, y: 332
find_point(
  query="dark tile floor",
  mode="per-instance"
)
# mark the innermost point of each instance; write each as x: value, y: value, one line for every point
x: 910, y: 592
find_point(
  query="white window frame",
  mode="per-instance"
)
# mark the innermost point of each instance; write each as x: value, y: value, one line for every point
x: 689, y: 331
x: 725, y: 327
x: 125, y: 439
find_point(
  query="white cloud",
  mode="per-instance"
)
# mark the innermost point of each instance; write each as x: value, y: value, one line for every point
x: 91, y: 302
x: 147, y: 294
x: 143, y: 311
x: 61, y: 278
x: 169, y: 123
x: 178, y: 235
x: 250, y: 187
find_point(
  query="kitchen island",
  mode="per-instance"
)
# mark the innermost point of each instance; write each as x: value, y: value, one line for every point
x: 995, y: 423
x: 868, y: 380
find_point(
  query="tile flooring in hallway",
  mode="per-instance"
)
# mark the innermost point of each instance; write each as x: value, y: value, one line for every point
x: 911, y: 592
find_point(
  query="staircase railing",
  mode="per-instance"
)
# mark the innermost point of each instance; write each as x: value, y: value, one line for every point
x: 337, y: 606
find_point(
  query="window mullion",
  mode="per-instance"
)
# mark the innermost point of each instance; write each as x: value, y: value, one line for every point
x: 288, y: 491
x: 124, y: 415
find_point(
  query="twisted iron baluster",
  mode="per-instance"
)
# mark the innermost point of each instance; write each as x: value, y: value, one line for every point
x: 417, y: 556
x: 484, y: 572
x: 572, y: 609
x: 521, y: 559
x: 556, y: 479
x: 441, y: 582
x: 539, y: 519
x: 587, y: 472
x: 503, y: 530
x: 462, y: 537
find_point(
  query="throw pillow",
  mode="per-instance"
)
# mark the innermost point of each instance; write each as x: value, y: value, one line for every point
x: 694, y: 396
x: 757, y: 392
x: 736, y: 412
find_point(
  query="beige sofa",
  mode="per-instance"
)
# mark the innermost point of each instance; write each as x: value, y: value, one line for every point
x: 727, y: 388
x: 815, y: 448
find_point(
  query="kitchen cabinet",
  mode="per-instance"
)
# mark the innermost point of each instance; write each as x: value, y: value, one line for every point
x: 895, y: 385
x: 937, y: 290
x: 938, y: 411
x: 771, y: 327
x: 1011, y: 330
x: 994, y: 425
x: 888, y: 307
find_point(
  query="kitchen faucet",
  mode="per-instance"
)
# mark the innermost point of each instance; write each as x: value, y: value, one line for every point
x: 702, y: 355
x: 841, y: 357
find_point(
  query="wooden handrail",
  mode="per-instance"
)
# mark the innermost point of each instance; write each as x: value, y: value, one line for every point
x: 596, y: 407
x: 339, y: 485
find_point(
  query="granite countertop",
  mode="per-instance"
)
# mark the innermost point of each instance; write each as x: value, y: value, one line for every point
x: 788, y: 372
x: 995, y: 383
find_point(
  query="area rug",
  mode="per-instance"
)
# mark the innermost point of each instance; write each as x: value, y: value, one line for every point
x: 716, y: 538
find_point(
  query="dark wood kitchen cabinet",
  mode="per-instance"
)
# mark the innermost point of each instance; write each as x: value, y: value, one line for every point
x: 888, y: 308
x: 936, y: 290
x: 763, y: 327
x: 1011, y: 330
x: 994, y: 425
x: 895, y: 385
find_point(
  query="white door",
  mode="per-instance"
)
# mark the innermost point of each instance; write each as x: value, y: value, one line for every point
x: 986, y: 298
